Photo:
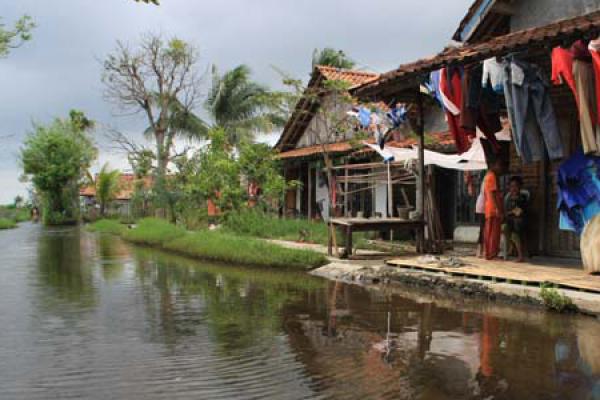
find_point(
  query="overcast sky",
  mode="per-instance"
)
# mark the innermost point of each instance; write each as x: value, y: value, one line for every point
x: 60, y: 69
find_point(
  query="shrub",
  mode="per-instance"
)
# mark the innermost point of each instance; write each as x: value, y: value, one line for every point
x: 107, y: 226
x: 7, y: 223
x: 153, y: 232
x: 555, y: 301
x: 225, y: 247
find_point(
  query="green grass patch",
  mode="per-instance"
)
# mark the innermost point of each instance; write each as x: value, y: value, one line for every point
x: 153, y: 232
x: 226, y: 247
x: 555, y: 301
x: 107, y: 226
x: 6, y: 223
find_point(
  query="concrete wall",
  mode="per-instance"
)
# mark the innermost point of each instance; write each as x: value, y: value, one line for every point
x: 533, y: 13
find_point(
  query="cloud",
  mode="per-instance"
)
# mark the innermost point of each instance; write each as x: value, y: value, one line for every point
x: 60, y: 68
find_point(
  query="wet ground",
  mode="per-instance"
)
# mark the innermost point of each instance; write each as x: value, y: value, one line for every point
x: 87, y: 316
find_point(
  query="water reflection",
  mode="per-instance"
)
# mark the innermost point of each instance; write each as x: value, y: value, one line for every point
x: 91, y: 317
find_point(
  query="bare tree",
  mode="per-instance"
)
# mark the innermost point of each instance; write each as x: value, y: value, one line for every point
x: 159, y: 79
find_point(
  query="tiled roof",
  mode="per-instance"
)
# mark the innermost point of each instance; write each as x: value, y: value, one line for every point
x: 353, y: 77
x: 126, y: 187
x: 438, y: 141
x: 548, y: 36
x: 305, y: 108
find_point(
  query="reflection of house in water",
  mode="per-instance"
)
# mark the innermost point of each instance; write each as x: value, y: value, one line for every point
x: 440, y: 353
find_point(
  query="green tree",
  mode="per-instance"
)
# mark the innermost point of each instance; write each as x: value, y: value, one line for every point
x: 219, y: 175
x: 15, y: 37
x: 107, y: 186
x: 55, y: 158
x: 240, y: 106
x: 258, y: 163
x: 333, y: 58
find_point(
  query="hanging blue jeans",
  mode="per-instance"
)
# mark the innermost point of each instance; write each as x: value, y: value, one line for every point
x: 531, y: 112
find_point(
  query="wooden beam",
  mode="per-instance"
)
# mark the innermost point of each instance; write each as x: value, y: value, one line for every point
x: 421, y: 170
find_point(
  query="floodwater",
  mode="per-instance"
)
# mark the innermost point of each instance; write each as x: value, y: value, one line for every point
x: 89, y: 317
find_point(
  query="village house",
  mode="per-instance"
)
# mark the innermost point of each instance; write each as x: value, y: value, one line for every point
x: 121, y: 204
x: 497, y: 29
x: 301, y: 147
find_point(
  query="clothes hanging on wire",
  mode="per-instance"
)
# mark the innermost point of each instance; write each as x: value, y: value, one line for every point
x: 451, y: 92
x: 579, y: 191
x: 434, y: 86
x: 397, y: 116
x: 493, y: 75
x: 480, y: 106
x: 530, y: 111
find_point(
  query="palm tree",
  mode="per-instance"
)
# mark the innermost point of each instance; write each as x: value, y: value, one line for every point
x: 107, y: 186
x: 240, y: 106
x: 333, y: 58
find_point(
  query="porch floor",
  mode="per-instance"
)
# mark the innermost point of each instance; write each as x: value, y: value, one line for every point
x: 566, y: 274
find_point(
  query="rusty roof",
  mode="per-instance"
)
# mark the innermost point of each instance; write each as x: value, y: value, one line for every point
x: 408, y: 76
x: 437, y: 141
x: 306, y: 106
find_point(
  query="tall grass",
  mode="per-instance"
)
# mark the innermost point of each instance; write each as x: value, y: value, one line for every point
x: 226, y: 247
x: 107, y: 226
x: 153, y: 232
x: 6, y: 223
x: 257, y: 224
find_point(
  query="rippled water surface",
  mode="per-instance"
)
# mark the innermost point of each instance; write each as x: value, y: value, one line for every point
x: 90, y: 317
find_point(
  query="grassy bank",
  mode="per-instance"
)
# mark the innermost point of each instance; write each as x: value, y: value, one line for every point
x: 6, y: 223
x: 265, y: 226
x: 222, y: 246
x: 108, y: 226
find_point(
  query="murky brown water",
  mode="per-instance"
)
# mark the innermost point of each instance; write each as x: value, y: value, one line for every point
x: 88, y: 317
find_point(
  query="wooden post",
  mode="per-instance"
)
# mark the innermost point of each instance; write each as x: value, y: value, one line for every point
x: 390, y: 191
x: 310, y: 183
x: 421, y: 170
x: 346, y: 204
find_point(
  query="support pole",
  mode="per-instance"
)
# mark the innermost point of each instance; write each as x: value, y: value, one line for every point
x: 421, y: 171
x: 346, y: 211
x: 390, y: 191
x: 310, y: 183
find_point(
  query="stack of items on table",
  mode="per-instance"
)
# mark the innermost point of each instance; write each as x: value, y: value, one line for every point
x: 472, y: 96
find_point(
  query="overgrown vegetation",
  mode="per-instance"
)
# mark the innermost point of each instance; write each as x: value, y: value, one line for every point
x: 556, y: 301
x: 153, y: 232
x: 7, y: 224
x: 225, y: 247
x: 222, y: 246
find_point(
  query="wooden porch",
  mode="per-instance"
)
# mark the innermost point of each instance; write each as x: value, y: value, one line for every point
x: 561, y: 273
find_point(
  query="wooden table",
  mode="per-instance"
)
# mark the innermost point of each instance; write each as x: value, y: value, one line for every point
x: 350, y: 225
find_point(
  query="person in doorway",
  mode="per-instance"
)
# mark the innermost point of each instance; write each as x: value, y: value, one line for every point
x: 515, y: 206
x: 480, y: 213
x: 493, y: 211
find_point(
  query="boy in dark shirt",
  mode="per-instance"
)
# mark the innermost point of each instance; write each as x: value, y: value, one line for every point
x: 515, y: 208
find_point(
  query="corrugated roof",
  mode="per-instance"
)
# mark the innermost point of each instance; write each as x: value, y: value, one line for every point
x: 305, y: 108
x: 548, y: 36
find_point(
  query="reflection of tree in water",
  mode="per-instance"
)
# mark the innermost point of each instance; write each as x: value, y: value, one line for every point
x: 62, y: 272
x: 240, y: 307
x: 112, y: 253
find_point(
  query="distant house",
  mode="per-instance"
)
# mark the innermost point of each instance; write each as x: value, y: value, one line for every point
x: 121, y: 205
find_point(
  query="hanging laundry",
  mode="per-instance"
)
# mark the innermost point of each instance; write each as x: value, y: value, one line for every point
x: 397, y: 116
x: 530, y: 111
x: 451, y: 92
x: 480, y: 106
x: 579, y: 191
x: 493, y: 75
x: 574, y: 67
x: 562, y: 68
x: 434, y: 86
x: 364, y: 117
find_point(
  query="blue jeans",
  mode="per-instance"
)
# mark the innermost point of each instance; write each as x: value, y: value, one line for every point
x: 531, y: 112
